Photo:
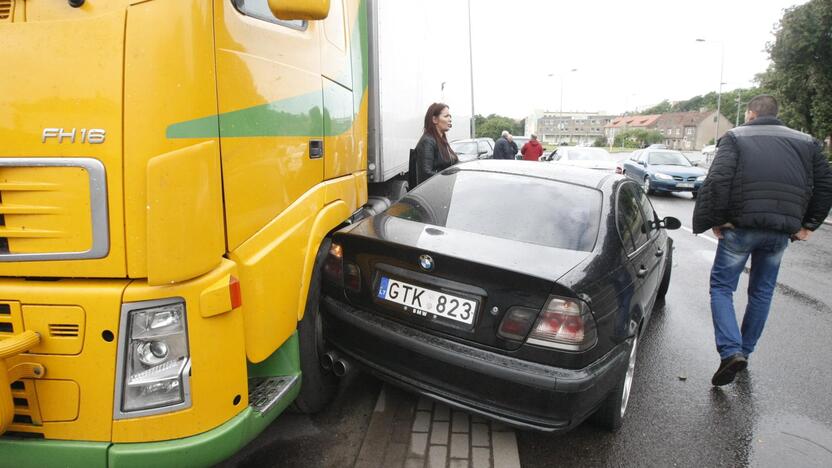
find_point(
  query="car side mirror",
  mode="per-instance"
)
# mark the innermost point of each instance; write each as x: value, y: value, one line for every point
x: 670, y: 223
x: 642, y: 163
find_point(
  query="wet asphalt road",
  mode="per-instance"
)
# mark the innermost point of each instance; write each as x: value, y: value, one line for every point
x: 778, y: 413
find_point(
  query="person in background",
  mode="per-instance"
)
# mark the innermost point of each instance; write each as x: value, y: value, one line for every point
x: 515, y: 151
x: 532, y: 150
x: 767, y: 184
x: 432, y: 153
x: 504, y: 149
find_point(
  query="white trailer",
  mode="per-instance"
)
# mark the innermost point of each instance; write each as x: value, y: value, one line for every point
x: 419, y: 54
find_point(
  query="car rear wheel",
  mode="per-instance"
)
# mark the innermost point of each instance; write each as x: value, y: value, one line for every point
x: 665, y: 283
x: 610, y: 415
x: 646, y: 185
x: 317, y: 385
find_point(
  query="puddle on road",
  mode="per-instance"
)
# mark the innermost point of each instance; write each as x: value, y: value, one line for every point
x: 791, y: 440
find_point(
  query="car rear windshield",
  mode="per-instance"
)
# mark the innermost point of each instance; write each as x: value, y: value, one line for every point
x: 507, y: 206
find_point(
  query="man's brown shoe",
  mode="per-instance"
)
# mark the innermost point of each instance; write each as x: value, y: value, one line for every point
x: 728, y: 369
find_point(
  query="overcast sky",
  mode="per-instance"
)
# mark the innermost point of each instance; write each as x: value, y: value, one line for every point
x: 627, y: 54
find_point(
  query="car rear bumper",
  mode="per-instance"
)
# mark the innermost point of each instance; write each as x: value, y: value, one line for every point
x: 513, y: 391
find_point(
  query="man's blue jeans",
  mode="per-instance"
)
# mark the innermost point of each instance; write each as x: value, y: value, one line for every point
x: 766, y: 249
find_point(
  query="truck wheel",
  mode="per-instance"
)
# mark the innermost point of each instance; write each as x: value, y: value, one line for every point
x: 610, y: 415
x: 317, y: 385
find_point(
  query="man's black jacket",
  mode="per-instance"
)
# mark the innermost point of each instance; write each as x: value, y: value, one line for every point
x: 503, y: 149
x: 765, y: 176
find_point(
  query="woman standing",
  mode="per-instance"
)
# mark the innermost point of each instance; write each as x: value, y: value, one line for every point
x: 433, y: 153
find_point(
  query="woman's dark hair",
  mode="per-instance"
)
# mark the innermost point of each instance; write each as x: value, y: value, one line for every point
x: 445, y: 150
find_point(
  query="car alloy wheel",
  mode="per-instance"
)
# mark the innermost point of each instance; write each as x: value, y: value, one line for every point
x: 628, y: 377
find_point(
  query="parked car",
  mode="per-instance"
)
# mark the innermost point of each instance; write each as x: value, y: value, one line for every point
x: 473, y: 149
x: 515, y: 291
x: 520, y: 141
x: 661, y: 170
x: 586, y: 157
x: 708, y: 152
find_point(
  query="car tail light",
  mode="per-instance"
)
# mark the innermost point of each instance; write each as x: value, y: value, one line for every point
x: 352, y: 277
x: 517, y: 323
x: 334, y: 264
x: 564, y: 323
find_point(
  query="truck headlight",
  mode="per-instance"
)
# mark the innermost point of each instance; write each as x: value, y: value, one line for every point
x: 153, y: 359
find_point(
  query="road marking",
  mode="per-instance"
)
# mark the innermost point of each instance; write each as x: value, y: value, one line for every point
x: 703, y: 236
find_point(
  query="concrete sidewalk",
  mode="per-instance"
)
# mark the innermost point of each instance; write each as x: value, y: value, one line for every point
x: 414, y: 432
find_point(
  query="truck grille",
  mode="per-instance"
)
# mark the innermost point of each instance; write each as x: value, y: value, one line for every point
x: 52, y: 209
x: 6, y: 9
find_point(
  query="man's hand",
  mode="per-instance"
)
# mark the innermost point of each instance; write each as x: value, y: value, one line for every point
x: 717, y: 230
x: 802, y: 235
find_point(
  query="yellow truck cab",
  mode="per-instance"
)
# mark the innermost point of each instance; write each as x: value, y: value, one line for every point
x: 170, y: 171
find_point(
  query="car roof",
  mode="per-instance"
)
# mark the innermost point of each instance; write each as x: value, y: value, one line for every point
x: 573, y: 175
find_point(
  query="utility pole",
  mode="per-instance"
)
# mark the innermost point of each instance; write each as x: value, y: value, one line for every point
x: 739, y: 103
x: 471, y: 71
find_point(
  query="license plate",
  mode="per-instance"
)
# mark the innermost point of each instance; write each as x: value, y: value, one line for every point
x: 423, y: 301
x: 684, y: 185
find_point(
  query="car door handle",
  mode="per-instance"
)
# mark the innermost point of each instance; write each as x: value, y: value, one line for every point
x: 316, y: 149
x: 642, y: 271
x: 659, y: 252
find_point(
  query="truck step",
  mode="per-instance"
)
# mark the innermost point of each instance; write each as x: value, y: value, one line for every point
x: 264, y: 392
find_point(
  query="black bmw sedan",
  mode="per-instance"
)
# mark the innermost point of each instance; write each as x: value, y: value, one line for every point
x: 514, y: 290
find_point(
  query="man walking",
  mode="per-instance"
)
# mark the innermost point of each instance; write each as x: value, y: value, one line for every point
x: 503, y: 149
x: 767, y: 184
x: 532, y: 150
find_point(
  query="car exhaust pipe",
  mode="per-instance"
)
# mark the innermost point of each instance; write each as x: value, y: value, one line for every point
x: 329, y: 359
x: 341, y: 367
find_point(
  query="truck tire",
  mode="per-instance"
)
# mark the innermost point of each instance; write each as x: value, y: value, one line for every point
x: 317, y: 385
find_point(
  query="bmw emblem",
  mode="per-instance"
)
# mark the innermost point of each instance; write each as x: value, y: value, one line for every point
x: 426, y: 262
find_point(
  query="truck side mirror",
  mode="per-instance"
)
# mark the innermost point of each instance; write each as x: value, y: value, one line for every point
x: 289, y: 10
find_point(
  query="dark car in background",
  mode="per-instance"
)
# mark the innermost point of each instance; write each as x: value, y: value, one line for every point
x: 512, y: 307
x: 663, y: 170
x: 473, y: 149
x: 520, y: 141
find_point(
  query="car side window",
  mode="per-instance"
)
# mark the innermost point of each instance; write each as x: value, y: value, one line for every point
x: 647, y: 210
x: 629, y: 218
x: 482, y: 147
x: 635, y: 155
x: 260, y: 9
x: 643, y: 157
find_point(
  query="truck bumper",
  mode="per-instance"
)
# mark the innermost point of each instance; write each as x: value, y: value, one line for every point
x: 204, y: 449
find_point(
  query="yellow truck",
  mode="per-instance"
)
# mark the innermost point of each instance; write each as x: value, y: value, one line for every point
x: 170, y: 171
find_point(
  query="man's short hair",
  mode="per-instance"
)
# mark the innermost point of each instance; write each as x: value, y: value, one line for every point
x: 505, y: 133
x: 763, y: 105
x: 534, y: 137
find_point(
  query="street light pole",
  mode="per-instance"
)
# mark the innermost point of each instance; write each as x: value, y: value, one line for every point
x: 560, y: 112
x: 471, y: 71
x: 739, y: 103
x: 719, y: 90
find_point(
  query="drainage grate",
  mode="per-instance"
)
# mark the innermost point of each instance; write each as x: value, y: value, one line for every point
x: 5, y: 8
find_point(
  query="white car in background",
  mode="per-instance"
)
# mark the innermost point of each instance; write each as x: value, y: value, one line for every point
x: 708, y: 153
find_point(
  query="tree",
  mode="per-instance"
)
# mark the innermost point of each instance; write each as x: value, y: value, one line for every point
x: 800, y: 73
x: 637, y: 138
x: 600, y: 142
x: 660, y: 108
x: 493, y: 125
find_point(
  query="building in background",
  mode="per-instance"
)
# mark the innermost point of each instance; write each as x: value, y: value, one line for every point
x: 572, y: 128
x: 686, y: 131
